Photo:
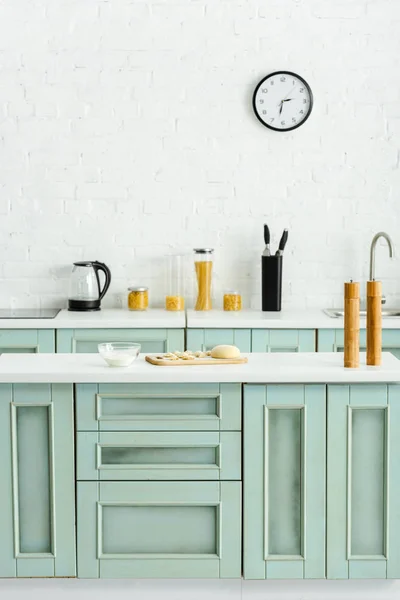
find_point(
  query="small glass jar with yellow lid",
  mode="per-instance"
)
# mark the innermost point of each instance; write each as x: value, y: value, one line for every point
x: 138, y: 298
x: 232, y: 301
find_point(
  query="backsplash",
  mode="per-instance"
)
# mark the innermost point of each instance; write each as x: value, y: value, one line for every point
x: 126, y: 133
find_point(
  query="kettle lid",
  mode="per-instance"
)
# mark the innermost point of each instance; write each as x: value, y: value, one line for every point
x: 84, y: 263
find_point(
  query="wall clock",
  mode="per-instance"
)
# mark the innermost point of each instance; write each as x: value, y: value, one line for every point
x: 282, y: 101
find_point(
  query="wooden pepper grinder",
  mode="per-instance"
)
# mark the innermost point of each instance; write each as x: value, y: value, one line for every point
x: 351, y: 325
x: 374, y: 323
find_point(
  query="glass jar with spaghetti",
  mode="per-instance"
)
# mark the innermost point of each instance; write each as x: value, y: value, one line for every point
x: 203, y: 264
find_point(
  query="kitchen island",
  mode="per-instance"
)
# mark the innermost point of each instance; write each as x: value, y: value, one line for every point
x: 158, y: 487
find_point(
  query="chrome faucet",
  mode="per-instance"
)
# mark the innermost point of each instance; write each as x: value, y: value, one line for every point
x: 372, y: 255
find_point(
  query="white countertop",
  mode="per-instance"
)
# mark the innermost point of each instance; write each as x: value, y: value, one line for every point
x: 286, y: 319
x: 158, y: 318
x: 261, y: 368
x: 106, y: 318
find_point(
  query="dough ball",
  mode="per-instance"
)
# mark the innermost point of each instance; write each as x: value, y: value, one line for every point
x: 225, y: 352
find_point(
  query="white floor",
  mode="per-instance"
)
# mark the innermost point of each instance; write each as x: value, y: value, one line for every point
x: 46, y: 589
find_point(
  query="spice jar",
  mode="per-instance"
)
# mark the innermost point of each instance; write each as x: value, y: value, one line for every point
x: 174, y: 299
x: 203, y: 263
x: 232, y: 300
x: 138, y: 298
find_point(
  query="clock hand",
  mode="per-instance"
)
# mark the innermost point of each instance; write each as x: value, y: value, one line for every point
x: 288, y: 100
x: 280, y: 112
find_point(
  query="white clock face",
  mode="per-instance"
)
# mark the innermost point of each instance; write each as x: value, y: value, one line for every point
x: 282, y: 101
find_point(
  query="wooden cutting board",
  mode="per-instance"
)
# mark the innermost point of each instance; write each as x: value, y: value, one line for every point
x: 199, y: 362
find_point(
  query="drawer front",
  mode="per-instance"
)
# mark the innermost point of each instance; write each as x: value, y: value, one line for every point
x: 27, y: 341
x: 159, y: 529
x: 206, y: 339
x: 158, y: 407
x: 157, y: 456
x: 151, y: 340
x: 332, y: 340
x: 283, y: 340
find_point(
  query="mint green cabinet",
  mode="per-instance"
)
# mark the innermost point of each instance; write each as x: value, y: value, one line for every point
x: 37, y: 494
x: 254, y: 340
x: 158, y: 407
x: 152, y: 340
x: 363, y: 484
x: 284, y: 481
x: 332, y: 340
x: 206, y: 339
x: 158, y: 529
x: 283, y: 340
x: 159, y: 455
x: 27, y: 340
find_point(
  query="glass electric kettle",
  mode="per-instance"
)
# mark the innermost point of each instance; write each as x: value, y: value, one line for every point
x: 85, y: 292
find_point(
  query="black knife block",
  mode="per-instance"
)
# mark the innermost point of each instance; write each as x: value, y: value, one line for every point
x: 271, y: 283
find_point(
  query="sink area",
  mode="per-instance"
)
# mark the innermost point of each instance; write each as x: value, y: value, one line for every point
x: 388, y: 313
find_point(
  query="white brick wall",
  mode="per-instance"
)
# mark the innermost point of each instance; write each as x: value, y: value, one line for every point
x: 126, y: 132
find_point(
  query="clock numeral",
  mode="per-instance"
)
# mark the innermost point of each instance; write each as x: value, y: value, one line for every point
x: 283, y: 122
x: 304, y: 101
x: 271, y: 120
x: 293, y: 82
x: 302, y: 112
x: 272, y: 82
x: 301, y: 90
x: 264, y: 91
x: 294, y: 120
x: 283, y: 78
x: 261, y: 101
x: 264, y: 112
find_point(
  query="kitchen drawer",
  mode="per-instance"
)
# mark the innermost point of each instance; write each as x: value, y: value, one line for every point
x: 168, y: 529
x: 158, y: 407
x: 332, y: 340
x: 283, y: 340
x: 206, y: 339
x: 27, y: 341
x: 155, y: 455
x: 151, y: 340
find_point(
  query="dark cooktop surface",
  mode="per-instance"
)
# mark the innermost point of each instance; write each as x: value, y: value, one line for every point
x: 29, y: 313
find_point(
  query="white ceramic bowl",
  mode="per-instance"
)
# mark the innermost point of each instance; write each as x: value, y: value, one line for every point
x: 119, y: 354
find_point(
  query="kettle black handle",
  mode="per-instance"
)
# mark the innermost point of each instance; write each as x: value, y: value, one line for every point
x: 99, y: 266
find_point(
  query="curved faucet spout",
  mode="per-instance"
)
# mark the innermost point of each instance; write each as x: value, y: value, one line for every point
x: 375, y: 239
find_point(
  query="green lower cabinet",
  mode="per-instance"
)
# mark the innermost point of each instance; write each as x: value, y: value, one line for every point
x: 151, y: 340
x: 332, y: 340
x: 37, y: 493
x: 27, y: 341
x: 284, y: 481
x: 283, y: 340
x: 159, y: 455
x: 159, y: 529
x: 363, y: 482
x: 206, y: 339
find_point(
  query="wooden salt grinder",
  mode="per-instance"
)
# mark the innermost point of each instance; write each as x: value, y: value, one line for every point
x: 374, y: 323
x: 351, y: 325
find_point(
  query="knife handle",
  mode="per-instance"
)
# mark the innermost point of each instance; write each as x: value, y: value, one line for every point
x: 284, y: 239
x: 266, y: 234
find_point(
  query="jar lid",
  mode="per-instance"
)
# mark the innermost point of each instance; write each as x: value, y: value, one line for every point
x: 232, y: 292
x: 203, y: 250
x: 138, y: 288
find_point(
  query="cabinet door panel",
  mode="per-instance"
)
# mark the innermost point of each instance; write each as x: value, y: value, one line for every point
x: 206, y: 339
x: 151, y: 340
x: 27, y: 341
x: 157, y: 407
x: 332, y: 340
x: 361, y: 466
x: 37, y: 540
x: 169, y: 529
x: 284, y: 481
x: 283, y: 340
x: 158, y: 456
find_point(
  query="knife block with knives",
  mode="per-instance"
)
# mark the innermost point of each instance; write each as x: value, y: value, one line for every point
x: 271, y: 273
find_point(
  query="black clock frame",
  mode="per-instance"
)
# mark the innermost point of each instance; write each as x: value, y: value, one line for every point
x: 290, y: 73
